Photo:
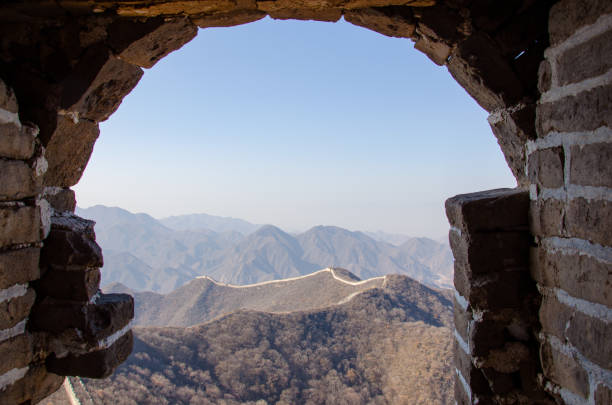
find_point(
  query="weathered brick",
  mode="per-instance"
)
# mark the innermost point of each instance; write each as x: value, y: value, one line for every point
x: 18, y: 180
x: 461, y: 397
x: 96, y: 364
x: 61, y: 199
x: 590, y: 164
x: 69, y: 285
x: 603, y: 395
x: 8, y: 101
x: 16, y: 309
x: 390, y: 21
x: 485, y: 335
x: 461, y: 279
x: 20, y: 225
x: 544, y: 76
x: 19, y: 266
x: 590, y: 219
x: 15, y: 352
x: 546, y: 217
x: 68, y: 151
x: 564, y: 371
x: 545, y: 167
x: 230, y: 19
x: 582, y: 276
x: 37, y: 384
x: 591, y: 336
x: 15, y: 142
x: 585, y: 111
x: 491, y: 210
x: 70, y: 250
x: 554, y: 316
x: 472, y: 375
x: 567, y: 16
x: 462, y: 319
x: 586, y: 60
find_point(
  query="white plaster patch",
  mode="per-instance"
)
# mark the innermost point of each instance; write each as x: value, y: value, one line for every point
x: 14, y: 331
x: 109, y: 340
x: 456, y: 230
x: 461, y: 301
x: 578, y: 246
x: 462, y: 343
x: 573, y: 89
x: 11, y: 376
x: 70, y: 392
x: 466, y: 386
x: 7, y: 117
x: 592, y: 309
x: 571, y: 192
x: 45, y: 216
x: 15, y: 291
x: 553, y: 139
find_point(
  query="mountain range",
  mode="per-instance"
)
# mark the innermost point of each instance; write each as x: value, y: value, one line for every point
x: 146, y: 254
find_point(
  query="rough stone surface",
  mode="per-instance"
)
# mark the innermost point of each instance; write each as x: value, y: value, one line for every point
x: 564, y: 371
x: 8, y: 101
x: 567, y: 16
x: 68, y: 151
x: 586, y: 60
x: 16, y: 142
x: 490, y: 210
x: 544, y: 76
x: 146, y: 42
x: 546, y: 167
x: 329, y: 15
x: 19, y: 181
x: 105, y: 316
x: 603, y: 395
x: 98, y: 84
x: 582, y: 276
x: 15, y: 352
x: 585, y: 111
x: 19, y: 266
x: 590, y: 165
x: 390, y: 21
x: 591, y: 336
x: 96, y: 364
x: 438, y: 52
x: 69, y: 285
x: 67, y: 250
x: 20, y: 225
x: 61, y: 199
x: 37, y: 384
x: 546, y: 217
x: 471, y: 374
x: 230, y: 19
x: 590, y: 220
x: 16, y: 309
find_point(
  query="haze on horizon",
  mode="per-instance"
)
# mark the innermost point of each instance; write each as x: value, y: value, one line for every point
x: 296, y: 124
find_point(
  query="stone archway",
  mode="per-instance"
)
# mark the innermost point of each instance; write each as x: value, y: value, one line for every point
x: 66, y: 65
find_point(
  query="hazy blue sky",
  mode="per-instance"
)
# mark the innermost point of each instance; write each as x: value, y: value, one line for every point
x: 296, y: 124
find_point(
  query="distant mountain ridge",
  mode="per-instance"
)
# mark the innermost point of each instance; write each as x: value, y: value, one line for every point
x: 204, y: 299
x: 146, y: 254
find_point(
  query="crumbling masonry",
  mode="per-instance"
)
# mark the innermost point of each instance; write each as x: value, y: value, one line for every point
x: 533, y: 302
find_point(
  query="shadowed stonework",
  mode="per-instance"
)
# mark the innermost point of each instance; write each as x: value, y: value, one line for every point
x: 533, y: 265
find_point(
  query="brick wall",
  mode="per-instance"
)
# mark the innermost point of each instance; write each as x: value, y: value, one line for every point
x: 569, y: 167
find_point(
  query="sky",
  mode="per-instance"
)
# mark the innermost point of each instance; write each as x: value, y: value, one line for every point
x: 296, y: 124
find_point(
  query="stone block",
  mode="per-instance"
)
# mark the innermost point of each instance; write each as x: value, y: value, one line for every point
x: 95, y: 364
x: 584, y: 111
x: 546, y: 217
x: 389, y: 21
x: 545, y: 167
x: 603, y: 395
x: 582, y: 276
x: 20, y: 225
x: 487, y: 253
x: 76, y: 285
x: 95, y: 321
x: 145, y: 42
x: 305, y: 14
x: 97, y: 84
x: 500, y: 383
x: 19, y: 266
x: 472, y: 375
x: 230, y: 19
x: 591, y: 336
x: 19, y: 180
x: 8, y: 101
x: 462, y: 319
x: 513, y: 127
x: 564, y: 370
x: 438, y: 52
x: 16, y: 142
x: 440, y: 23
x: 15, y: 352
x: 567, y: 16
x: 544, y: 76
x: 485, y: 74
x: 16, y: 309
x: 461, y: 397
x: 486, y: 335
x: 61, y: 199
x: 35, y: 385
x: 68, y: 151
x: 590, y: 220
x: 590, y: 164
x: 71, y: 245
x: 493, y: 210
x: 589, y: 59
